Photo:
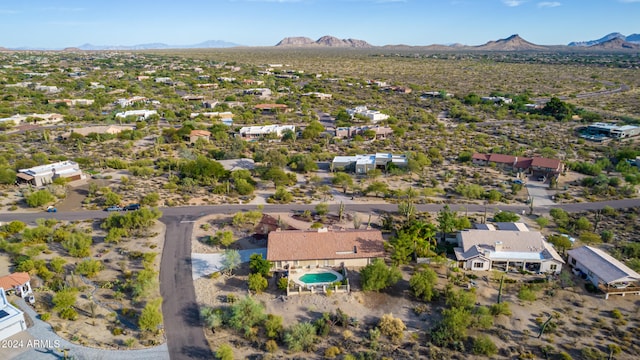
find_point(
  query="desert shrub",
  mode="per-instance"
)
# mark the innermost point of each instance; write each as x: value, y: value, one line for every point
x: 589, y: 353
x: 283, y: 283
x: 271, y: 346
x: 526, y: 293
x: 224, y: 352
x: 69, y: 314
x: 39, y: 198
x: 151, y: 316
x: 301, y: 337
x: 332, y: 352
x: 377, y: 276
x: 483, y: 345
x: 245, y: 315
x: 273, y: 326
x: 616, y: 314
x: 89, y: 268
x: 392, y: 327
x: 45, y: 316
x: 500, y: 309
x: 257, y: 283
x: 422, y: 283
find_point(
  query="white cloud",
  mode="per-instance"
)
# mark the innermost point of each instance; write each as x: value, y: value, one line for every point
x: 549, y: 4
x: 513, y: 3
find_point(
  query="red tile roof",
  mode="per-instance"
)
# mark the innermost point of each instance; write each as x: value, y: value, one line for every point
x: 483, y: 157
x: 319, y: 245
x: 502, y: 159
x: 12, y: 280
x: 200, y: 133
x: 553, y: 164
x: 523, y: 163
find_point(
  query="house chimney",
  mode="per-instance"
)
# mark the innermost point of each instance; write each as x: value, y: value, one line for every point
x: 498, y: 245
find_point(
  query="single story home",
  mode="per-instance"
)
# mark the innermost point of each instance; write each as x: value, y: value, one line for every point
x: 373, y: 115
x: 604, y: 271
x: 506, y: 250
x: 44, y: 174
x: 361, y: 164
x: 12, y: 319
x: 140, y: 114
x: 535, y: 166
x: 194, y: 135
x: 256, y: 132
x: 272, y: 107
x: 288, y: 249
x: 20, y: 282
x: 380, y: 132
x: 98, y: 129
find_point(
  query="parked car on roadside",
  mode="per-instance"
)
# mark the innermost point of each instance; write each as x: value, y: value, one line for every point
x: 131, y: 207
x: 52, y: 209
x: 113, y: 208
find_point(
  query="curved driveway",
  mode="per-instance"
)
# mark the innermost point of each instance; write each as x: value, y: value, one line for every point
x: 185, y: 336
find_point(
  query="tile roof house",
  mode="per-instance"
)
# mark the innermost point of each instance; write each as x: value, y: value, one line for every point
x: 12, y: 319
x: 272, y: 107
x: 194, y: 135
x: 323, y: 247
x: 505, y: 250
x: 535, y: 165
x: 20, y: 282
x: 604, y: 271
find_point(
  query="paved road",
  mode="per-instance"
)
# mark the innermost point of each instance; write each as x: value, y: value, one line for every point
x: 185, y: 337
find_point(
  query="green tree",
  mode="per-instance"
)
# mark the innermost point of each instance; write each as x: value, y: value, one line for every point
x: 446, y: 221
x: 313, y: 130
x: 343, y: 180
x: 78, y: 244
x: 558, y: 109
x: 65, y: 299
x: 211, y: 317
x: 453, y: 326
x: 422, y: 284
x: 39, y: 198
x: 14, y: 227
x: 89, y: 268
x: 230, y: 260
x: 560, y: 242
x: 259, y: 265
x: 505, y: 216
x: 378, y: 276
x: 257, y: 283
x: 282, y: 195
x: 301, y: 337
x: 112, y: 199
x: 378, y: 188
x: 246, y: 314
x: 151, y: 316
x: 322, y: 209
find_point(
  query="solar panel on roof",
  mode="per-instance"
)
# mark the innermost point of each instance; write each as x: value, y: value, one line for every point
x: 3, y: 314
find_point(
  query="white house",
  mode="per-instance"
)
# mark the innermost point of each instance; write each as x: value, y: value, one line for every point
x: 141, y: 114
x: 11, y: 318
x: 373, y: 115
x: 506, y: 250
x: 44, y: 174
x: 361, y: 164
x: 254, y: 132
x: 604, y: 271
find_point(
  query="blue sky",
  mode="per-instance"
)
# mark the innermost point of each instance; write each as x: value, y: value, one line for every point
x: 58, y: 24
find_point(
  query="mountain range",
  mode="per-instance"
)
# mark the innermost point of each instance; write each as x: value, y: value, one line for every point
x: 633, y: 38
x: 613, y: 41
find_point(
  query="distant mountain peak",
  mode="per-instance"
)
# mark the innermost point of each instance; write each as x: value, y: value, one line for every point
x: 512, y: 43
x: 326, y: 41
x: 615, y: 43
x: 613, y: 35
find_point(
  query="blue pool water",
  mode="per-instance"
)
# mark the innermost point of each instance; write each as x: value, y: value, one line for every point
x: 324, y: 277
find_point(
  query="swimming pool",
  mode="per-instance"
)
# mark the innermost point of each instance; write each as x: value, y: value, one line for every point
x: 317, y: 277
x: 323, y: 277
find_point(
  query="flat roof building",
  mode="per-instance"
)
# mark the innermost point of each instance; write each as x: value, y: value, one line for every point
x: 45, y: 174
